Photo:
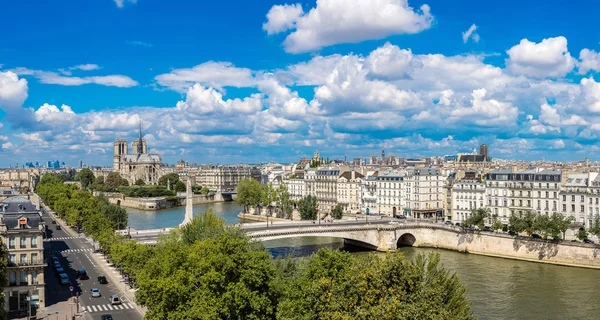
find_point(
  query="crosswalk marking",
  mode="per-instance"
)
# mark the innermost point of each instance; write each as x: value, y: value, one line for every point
x: 62, y: 238
x: 107, y: 307
x: 76, y: 250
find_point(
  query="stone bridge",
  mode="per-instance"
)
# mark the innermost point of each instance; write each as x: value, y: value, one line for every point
x: 375, y: 236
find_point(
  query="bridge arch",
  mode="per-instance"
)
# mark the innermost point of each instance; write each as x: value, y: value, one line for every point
x: 406, y: 240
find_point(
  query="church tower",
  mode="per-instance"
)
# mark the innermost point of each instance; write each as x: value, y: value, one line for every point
x: 121, y: 149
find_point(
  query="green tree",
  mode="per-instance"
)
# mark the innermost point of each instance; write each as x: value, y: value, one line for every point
x: 337, y: 285
x: 337, y: 212
x: 180, y: 186
x: 560, y: 224
x: 582, y: 234
x: 543, y: 225
x: 223, y: 277
x: 249, y: 192
x: 523, y: 222
x: 85, y: 177
x: 99, y: 180
x: 204, y: 190
x: 307, y: 207
x: 204, y: 225
x: 477, y: 218
x: 140, y: 182
x: 268, y: 197
x: 283, y: 202
x: 497, y: 224
x: 170, y: 178
x: 113, y: 181
x: 595, y: 227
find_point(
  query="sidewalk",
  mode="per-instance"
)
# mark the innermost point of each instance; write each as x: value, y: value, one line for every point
x: 109, y: 271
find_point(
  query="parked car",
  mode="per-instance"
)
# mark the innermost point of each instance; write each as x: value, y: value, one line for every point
x: 102, y: 280
x: 393, y: 222
x: 401, y: 217
x: 59, y: 270
x: 536, y: 236
x: 95, y: 292
x: 574, y: 240
x: 107, y: 317
x: 457, y: 224
x: 56, y: 263
x: 488, y: 229
x: 82, y: 274
x: 53, y: 221
x: 115, y: 300
x: 448, y: 223
x: 58, y: 227
x: 588, y: 241
x: 55, y: 259
x: 64, y: 278
x: 512, y: 232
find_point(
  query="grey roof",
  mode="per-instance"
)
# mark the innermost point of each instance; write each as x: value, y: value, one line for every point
x: 425, y: 172
x: 142, y: 158
x: 12, y: 220
x: 17, y: 204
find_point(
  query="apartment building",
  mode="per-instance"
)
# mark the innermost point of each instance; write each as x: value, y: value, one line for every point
x: 21, y: 229
x: 516, y: 192
x: 296, y: 188
x: 467, y: 195
x: 348, y: 191
x: 226, y: 178
x: 423, y: 190
x: 368, y: 195
x: 324, y: 188
x: 580, y: 197
x: 390, y: 193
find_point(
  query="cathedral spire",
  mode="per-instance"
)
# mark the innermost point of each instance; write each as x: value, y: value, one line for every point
x: 140, y: 146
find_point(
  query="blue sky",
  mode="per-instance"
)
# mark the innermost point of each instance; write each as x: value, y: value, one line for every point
x: 239, y: 81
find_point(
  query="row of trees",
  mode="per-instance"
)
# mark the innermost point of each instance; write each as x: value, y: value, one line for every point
x: 209, y: 270
x: 547, y: 226
x: 252, y: 194
x: 79, y: 207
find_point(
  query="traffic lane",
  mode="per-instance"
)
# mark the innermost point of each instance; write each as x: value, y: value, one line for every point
x: 116, y: 314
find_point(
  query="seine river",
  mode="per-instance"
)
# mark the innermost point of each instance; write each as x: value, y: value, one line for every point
x: 498, y: 288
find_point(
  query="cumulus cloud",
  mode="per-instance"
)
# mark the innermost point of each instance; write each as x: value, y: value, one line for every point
x: 13, y: 91
x: 345, y: 21
x: 211, y: 73
x: 245, y: 140
x: 201, y: 100
x: 590, y: 60
x: 470, y: 34
x: 7, y: 146
x: 547, y: 59
x: 391, y: 63
x: 487, y: 112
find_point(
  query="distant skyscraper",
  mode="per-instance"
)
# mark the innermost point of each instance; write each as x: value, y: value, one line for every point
x: 483, y: 151
x: 80, y: 164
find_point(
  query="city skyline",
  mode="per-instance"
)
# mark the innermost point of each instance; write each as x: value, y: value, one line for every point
x: 263, y: 82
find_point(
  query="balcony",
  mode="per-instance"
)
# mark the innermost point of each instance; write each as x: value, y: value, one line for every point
x: 27, y: 263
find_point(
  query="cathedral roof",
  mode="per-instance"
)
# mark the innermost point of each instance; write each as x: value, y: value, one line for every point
x: 142, y: 158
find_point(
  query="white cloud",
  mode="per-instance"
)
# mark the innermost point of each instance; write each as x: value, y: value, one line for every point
x: 51, y: 114
x: 590, y: 94
x: 470, y: 34
x: 391, y: 63
x: 7, y: 146
x: 121, y: 3
x: 213, y: 74
x: 345, y: 21
x: 282, y: 18
x: 34, y: 137
x: 201, y: 101
x: 590, y: 60
x: 547, y: 59
x: 558, y: 144
x: 13, y: 91
x: 245, y: 140
x: 49, y: 77
x: 86, y: 67
x: 486, y: 112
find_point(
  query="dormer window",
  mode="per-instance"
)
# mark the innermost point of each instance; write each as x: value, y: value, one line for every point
x: 23, y: 223
x: 21, y: 208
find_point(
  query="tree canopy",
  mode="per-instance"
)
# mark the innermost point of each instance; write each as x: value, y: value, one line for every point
x: 85, y: 177
x: 307, y: 207
x: 169, y: 180
x: 337, y: 212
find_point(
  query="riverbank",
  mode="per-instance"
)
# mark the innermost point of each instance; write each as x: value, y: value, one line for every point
x: 160, y: 203
x: 252, y: 217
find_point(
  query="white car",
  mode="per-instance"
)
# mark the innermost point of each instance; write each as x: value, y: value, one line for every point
x: 95, y: 292
x: 393, y: 222
x: 115, y: 300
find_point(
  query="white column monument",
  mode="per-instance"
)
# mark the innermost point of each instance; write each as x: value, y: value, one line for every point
x: 189, y: 207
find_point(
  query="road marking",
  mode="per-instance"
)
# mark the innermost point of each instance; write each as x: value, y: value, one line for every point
x: 107, y: 307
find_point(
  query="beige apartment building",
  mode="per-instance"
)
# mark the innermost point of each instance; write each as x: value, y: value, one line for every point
x: 348, y: 191
x: 21, y: 230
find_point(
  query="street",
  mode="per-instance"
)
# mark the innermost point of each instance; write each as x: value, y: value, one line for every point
x: 76, y: 253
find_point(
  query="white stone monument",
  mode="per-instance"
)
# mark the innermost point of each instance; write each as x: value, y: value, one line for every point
x: 189, y: 206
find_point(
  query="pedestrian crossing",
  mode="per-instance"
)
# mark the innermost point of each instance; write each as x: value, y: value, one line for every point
x: 108, y: 307
x: 62, y: 238
x: 75, y: 250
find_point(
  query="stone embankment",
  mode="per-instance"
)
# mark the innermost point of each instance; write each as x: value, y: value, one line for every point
x: 157, y: 203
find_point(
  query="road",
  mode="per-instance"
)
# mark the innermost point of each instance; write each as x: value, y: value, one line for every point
x: 75, y: 253
x: 261, y: 226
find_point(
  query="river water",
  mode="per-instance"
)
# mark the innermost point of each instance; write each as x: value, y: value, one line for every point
x: 497, y: 288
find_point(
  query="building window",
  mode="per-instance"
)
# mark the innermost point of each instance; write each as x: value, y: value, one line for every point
x: 582, y: 198
x: 547, y: 194
x: 573, y: 198
x: 34, y: 241
x: 23, y: 258
x: 572, y: 208
x: 11, y: 243
x: 23, y: 278
x: 582, y: 209
x: 12, y: 258
x: 564, y: 208
x: 12, y: 279
x: 23, y: 243
x: 564, y: 197
x: 34, y: 258
x: 34, y: 277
